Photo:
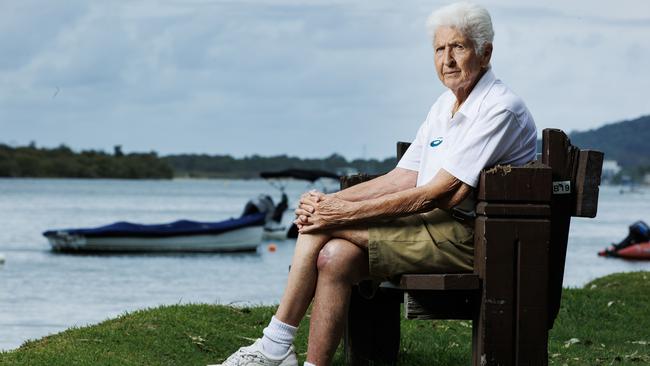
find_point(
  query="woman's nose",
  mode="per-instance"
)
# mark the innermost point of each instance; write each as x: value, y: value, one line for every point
x: 449, y: 58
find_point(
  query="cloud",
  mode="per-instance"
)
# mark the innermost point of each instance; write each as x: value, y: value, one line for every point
x: 29, y: 26
x: 292, y: 76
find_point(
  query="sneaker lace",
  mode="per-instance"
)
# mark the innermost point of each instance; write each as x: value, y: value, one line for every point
x: 243, y: 358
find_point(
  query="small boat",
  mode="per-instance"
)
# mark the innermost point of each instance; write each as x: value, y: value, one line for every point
x: 636, y: 251
x: 232, y: 235
x: 635, y: 246
x: 2, y: 259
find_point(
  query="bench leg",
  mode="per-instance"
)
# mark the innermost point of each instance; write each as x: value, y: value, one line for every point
x: 531, y: 342
x: 510, y: 328
x: 494, y: 325
x: 373, y: 329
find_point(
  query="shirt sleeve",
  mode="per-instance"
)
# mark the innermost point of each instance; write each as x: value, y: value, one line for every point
x: 487, y: 143
x: 411, y: 158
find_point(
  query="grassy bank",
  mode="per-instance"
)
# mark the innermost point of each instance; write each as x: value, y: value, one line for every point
x: 605, y: 323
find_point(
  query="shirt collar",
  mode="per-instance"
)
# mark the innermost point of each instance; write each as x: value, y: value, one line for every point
x: 470, y: 108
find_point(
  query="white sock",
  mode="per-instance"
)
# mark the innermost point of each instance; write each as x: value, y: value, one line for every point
x: 308, y: 364
x: 277, y: 338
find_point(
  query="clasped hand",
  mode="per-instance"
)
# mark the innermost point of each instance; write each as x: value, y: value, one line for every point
x: 317, y: 211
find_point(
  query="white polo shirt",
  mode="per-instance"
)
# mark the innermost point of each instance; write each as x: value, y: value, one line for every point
x: 492, y: 127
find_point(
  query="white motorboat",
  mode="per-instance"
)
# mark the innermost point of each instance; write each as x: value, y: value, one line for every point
x: 235, y: 234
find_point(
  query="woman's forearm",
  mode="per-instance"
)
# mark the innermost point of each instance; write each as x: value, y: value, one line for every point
x: 443, y: 191
x: 396, y: 180
x: 318, y: 212
x: 395, y: 204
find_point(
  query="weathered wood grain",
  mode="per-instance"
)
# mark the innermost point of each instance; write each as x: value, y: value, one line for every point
x: 590, y: 165
x: 462, y: 281
x: 512, y: 210
x: 450, y: 304
x: 562, y: 157
x: 515, y: 184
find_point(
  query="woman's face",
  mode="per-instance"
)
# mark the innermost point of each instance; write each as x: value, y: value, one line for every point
x: 457, y: 63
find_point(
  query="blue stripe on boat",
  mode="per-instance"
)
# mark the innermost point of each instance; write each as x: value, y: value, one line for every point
x: 180, y: 227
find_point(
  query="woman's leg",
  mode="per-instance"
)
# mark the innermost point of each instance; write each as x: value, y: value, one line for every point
x: 302, y: 278
x: 340, y: 265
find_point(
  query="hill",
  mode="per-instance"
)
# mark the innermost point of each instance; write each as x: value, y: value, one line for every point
x: 627, y: 142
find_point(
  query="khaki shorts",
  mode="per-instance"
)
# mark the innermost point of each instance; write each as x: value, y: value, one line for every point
x: 432, y: 242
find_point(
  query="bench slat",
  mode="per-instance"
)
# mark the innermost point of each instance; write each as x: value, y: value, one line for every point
x: 590, y: 164
x: 462, y: 281
x: 425, y: 305
x: 515, y: 184
x: 348, y: 181
x: 516, y: 210
x: 401, y: 148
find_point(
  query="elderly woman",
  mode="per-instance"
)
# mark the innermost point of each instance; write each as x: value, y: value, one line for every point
x: 399, y: 223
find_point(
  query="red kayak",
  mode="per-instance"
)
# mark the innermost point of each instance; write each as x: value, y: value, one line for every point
x: 635, y: 251
x: 635, y: 246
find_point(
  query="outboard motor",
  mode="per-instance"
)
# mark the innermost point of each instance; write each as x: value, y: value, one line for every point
x: 280, y: 208
x: 639, y: 233
x: 263, y: 203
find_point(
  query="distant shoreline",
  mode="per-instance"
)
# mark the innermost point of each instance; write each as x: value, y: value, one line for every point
x: 225, y: 177
x: 62, y: 162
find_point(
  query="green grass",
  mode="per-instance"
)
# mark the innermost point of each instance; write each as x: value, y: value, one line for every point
x: 605, y: 323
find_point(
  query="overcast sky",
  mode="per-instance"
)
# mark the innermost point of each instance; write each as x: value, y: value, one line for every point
x: 298, y: 77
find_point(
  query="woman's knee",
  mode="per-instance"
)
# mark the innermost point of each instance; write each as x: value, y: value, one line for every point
x: 310, y: 244
x: 340, y: 258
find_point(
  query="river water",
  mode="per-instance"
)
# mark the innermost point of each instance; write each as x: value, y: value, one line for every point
x: 42, y: 292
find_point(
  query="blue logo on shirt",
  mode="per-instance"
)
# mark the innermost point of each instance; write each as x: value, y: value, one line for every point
x: 436, y: 142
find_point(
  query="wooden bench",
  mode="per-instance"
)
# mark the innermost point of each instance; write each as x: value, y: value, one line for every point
x: 513, y: 295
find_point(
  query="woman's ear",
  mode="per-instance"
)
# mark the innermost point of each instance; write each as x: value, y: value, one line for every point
x: 487, y: 55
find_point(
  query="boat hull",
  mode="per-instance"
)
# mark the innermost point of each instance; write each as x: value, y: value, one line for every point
x: 242, y: 239
x: 639, y: 251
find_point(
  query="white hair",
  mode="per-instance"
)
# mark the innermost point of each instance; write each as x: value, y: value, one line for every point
x: 471, y: 19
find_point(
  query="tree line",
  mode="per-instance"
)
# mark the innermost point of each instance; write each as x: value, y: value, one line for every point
x: 63, y: 162
x: 226, y: 166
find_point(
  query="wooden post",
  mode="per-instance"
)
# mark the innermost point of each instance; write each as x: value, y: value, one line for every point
x: 373, y: 329
x: 496, y: 314
x: 531, y: 333
x: 562, y: 157
x: 510, y: 247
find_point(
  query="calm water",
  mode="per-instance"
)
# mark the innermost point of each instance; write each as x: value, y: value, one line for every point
x: 42, y: 292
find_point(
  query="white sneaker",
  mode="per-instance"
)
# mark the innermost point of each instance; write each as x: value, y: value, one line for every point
x: 253, y: 355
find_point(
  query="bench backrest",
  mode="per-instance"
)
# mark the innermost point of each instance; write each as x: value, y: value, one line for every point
x: 576, y: 178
